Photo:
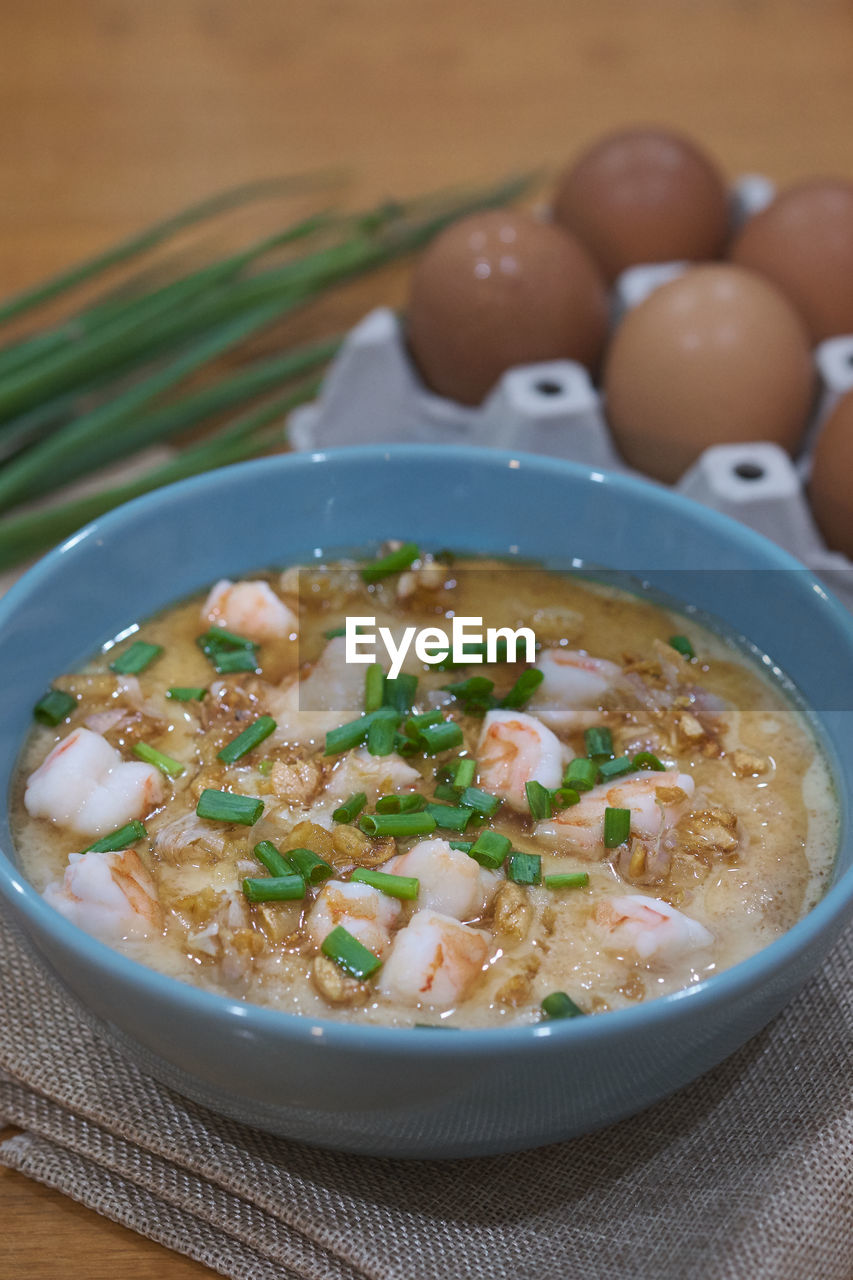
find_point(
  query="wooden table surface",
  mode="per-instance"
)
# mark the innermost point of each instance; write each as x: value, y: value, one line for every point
x: 115, y: 112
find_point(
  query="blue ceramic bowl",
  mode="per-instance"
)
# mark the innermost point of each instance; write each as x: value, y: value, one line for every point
x: 396, y: 1091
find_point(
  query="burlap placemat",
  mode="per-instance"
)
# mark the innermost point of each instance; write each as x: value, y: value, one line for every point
x: 746, y: 1175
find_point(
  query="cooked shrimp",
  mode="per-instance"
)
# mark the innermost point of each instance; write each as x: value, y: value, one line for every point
x: 450, y: 881
x: 362, y: 910
x: 516, y: 748
x: 306, y: 708
x: 573, y: 685
x: 656, y: 801
x: 250, y: 608
x: 85, y: 784
x: 110, y: 895
x: 652, y: 929
x: 434, y: 960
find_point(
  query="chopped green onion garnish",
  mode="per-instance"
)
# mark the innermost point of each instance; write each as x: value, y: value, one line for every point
x: 567, y: 880
x: 564, y: 798
x: 480, y: 801
x: 136, y: 658
x: 393, y: 886
x: 440, y: 737
x: 119, y: 839
x: 382, y: 732
x: 265, y: 766
x: 475, y: 694
x: 374, y: 687
x: 464, y: 773
x: 225, y: 639
x: 395, y: 562
x: 524, y: 688
x: 227, y: 661
x: 465, y: 845
x: 490, y: 848
x: 524, y: 868
x: 446, y: 791
x: 615, y: 768
x: 646, y: 760
x: 274, y: 861
x: 538, y: 800
x: 349, y: 954
x: 186, y: 693
x: 415, y: 724
x: 683, y: 645
x: 559, y: 1005
x: 166, y: 764
x: 274, y: 888
x: 617, y: 827
x: 310, y: 866
x: 598, y: 742
x: 226, y: 806
x: 334, y: 632
x: 398, y: 824
x: 227, y: 651
x: 350, y: 809
x: 252, y: 736
x: 400, y: 692
x: 412, y: 802
x: 581, y: 775
x: 450, y: 817
x: 353, y: 733
x: 54, y: 707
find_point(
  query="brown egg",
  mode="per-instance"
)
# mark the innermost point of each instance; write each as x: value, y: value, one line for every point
x: 831, y: 483
x: 498, y: 289
x: 803, y: 242
x: 715, y: 356
x: 645, y: 195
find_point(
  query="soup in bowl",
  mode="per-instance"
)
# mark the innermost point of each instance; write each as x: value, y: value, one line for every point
x: 597, y: 841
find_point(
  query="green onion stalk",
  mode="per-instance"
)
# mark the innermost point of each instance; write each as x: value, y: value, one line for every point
x: 107, y: 382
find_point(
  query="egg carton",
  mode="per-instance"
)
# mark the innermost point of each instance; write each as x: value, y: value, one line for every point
x: 372, y: 394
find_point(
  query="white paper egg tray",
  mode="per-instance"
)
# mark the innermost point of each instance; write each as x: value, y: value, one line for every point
x: 373, y: 395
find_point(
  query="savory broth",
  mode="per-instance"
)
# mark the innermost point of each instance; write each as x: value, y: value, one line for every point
x: 681, y: 793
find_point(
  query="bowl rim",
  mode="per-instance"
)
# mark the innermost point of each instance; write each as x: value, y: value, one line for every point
x: 176, y: 994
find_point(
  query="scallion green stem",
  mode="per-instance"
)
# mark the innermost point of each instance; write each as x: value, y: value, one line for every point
x: 567, y: 880
x: 398, y: 824
x: 374, y: 687
x: 274, y: 888
x: 395, y: 562
x: 349, y: 954
x: 251, y: 737
x: 350, y: 809
x: 405, y: 887
x: 272, y: 858
x: 166, y: 764
x: 310, y: 865
x: 617, y: 827
x: 524, y: 868
x: 227, y: 806
x: 598, y: 742
x: 119, y: 839
x: 54, y: 707
x: 490, y: 848
x: 523, y: 689
x: 559, y: 1005
x: 538, y: 800
x: 135, y: 658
